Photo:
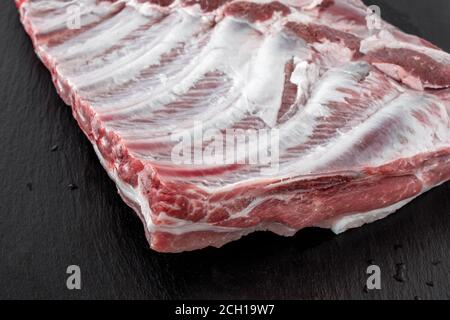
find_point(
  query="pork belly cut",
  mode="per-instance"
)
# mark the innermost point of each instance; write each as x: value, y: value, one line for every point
x: 359, y: 117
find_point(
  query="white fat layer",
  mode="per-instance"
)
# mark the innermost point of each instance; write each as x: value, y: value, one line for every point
x: 265, y: 77
x: 179, y: 226
x: 146, y: 8
x: 304, y: 76
x: 356, y: 220
x: 313, y: 4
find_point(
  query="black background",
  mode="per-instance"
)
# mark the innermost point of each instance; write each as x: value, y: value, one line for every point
x: 45, y: 226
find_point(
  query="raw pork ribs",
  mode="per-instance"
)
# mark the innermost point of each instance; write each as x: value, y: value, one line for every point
x: 361, y: 109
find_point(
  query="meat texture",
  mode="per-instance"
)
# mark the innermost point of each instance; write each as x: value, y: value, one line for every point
x: 361, y: 115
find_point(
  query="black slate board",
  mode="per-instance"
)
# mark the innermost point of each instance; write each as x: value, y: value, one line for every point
x: 45, y: 226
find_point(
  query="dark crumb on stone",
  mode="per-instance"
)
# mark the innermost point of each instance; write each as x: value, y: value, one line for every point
x: 54, y: 148
x: 398, y: 246
x: 400, y: 275
x: 417, y: 298
x: 436, y: 262
x: 430, y: 283
x: 72, y: 186
x: 30, y: 186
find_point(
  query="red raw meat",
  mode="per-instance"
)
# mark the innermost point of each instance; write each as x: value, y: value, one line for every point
x: 362, y: 116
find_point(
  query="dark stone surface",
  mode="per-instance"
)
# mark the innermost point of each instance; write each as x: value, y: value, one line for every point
x: 45, y: 225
